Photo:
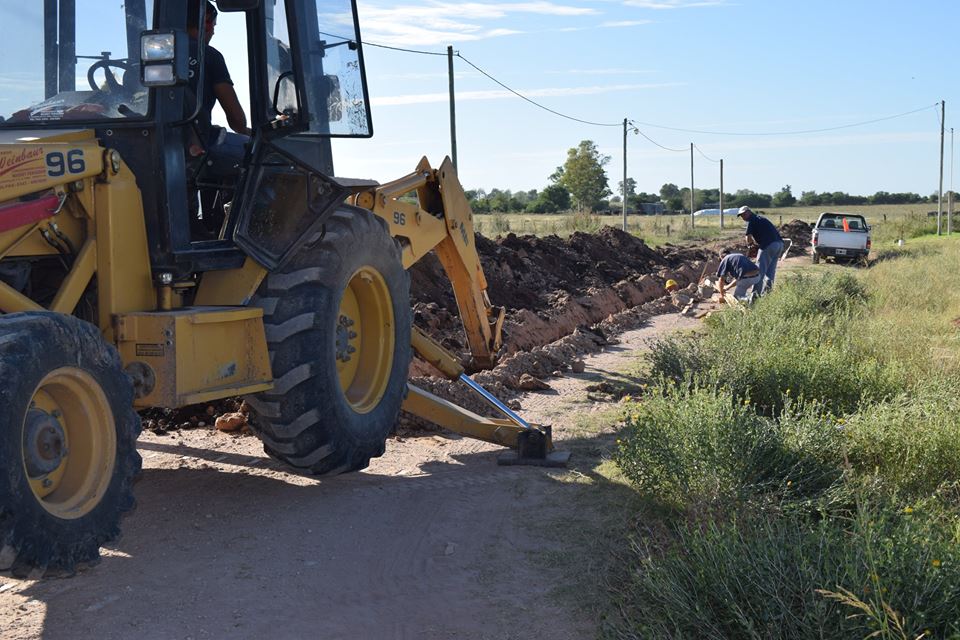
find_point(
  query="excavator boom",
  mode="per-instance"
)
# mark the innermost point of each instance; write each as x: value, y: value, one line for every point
x: 441, y: 221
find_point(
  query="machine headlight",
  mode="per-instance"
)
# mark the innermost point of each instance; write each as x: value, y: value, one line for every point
x: 163, y: 58
x: 158, y: 47
x: 159, y: 75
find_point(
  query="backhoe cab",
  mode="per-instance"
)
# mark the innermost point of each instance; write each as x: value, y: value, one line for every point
x: 110, y: 302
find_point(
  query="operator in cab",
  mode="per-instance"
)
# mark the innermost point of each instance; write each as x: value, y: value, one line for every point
x: 225, y: 150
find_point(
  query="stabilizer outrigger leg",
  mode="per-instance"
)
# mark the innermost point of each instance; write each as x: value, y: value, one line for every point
x: 530, y: 444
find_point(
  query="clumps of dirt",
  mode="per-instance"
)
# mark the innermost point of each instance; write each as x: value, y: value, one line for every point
x: 799, y: 232
x: 197, y: 416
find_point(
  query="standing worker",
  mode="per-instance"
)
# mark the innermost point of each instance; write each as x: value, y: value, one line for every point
x: 762, y: 234
x: 746, y: 275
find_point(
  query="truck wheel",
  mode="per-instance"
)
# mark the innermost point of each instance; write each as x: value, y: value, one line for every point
x: 68, y: 436
x: 816, y: 258
x: 337, y: 320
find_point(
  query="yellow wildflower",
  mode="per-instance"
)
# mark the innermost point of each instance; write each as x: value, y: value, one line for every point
x: 935, y: 563
x: 908, y: 510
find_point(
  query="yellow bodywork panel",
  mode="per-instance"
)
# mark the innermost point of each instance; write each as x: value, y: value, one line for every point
x: 231, y: 287
x: 197, y: 354
x: 124, y: 281
x: 36, y: 161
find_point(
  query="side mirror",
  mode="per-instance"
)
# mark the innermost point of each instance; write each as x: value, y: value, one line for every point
x: 286, y: 86
x: 228, y: 6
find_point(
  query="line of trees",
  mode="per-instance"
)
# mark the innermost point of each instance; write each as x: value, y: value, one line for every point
x: 581, y: 183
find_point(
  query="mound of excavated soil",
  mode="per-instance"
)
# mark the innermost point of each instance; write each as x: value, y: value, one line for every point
x: 551, y: 286
x: 799, y: 232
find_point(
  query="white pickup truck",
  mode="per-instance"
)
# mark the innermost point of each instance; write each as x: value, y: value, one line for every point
x: 841, y: 236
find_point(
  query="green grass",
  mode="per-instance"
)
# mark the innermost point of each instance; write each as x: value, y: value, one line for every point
x: 805, y: 458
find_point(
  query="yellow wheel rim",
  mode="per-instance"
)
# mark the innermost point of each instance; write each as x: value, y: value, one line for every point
x: 69, y: 443
x: 365, y: 339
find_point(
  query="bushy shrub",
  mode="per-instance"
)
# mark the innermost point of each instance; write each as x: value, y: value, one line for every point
x: 702, y: 448
x: 803, y: 338
x: 911, y: 442
x: 882, y: 571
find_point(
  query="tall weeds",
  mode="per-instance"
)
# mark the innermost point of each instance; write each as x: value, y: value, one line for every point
x: 806, y: 457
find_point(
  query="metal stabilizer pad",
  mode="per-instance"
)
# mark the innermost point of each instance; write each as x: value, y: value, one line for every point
x: 535, y: 448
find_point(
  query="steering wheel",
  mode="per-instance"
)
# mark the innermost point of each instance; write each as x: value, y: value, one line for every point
x: 105, y: 64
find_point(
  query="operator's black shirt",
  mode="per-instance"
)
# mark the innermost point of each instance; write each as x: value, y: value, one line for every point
x: 214, y: 72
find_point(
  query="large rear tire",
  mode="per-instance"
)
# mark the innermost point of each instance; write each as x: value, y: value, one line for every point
x: 337, y: 320
x: 68, y: 436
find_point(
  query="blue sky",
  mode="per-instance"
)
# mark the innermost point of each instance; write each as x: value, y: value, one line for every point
x: 734, y: 66
x: 749, y: 66
x: 745, y: 66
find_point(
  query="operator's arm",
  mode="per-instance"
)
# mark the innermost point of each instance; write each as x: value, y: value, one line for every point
x: 230, y: 104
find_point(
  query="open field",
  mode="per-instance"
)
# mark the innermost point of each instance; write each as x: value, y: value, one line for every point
x: 889, y: 222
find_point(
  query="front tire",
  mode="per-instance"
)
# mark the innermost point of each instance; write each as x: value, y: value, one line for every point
x: 68, y: 436
x: 338, y: 323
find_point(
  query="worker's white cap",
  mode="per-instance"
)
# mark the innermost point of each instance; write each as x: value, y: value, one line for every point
x: 744, y: 209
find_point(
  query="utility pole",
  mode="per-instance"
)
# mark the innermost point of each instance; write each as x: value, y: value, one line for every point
x: 691, y: 186
x: 950, y: 195
x: 940, y: 190
x: 721, y: 193
x: 453, y: 111
x: 624, y: 174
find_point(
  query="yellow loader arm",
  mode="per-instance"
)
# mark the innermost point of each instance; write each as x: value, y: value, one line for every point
x: 441, y: 220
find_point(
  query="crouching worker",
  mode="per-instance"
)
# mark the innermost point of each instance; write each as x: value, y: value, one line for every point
x: 745, y: 273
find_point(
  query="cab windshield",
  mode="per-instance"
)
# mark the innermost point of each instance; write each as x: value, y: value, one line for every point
x: 71, y: 60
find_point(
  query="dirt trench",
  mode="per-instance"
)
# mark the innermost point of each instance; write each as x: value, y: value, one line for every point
x: 564, y: 298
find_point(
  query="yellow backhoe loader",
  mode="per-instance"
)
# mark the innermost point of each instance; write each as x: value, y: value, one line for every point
x: 293, y: 293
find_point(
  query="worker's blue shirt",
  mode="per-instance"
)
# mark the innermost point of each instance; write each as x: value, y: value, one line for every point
x: 736, y: 264
x: 762, y: 231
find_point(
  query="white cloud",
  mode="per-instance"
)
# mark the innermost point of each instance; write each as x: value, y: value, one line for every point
x: 625, y: 23
x: 444, y: 23
x: 499, y: 94
x: 672, y: 4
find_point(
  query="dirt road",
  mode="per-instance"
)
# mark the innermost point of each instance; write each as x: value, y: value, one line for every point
x: 433, y: 541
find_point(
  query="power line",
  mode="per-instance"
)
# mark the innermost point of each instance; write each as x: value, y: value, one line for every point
x: 700, y: 151
x: 651, y: 140
x: 386, y: 46
x: 537, y: 104
x: 382, y: 46
x: 786, y: 133
x: 647, y: 124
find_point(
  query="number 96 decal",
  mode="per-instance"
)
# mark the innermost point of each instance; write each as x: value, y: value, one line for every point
x: 59, y: 164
